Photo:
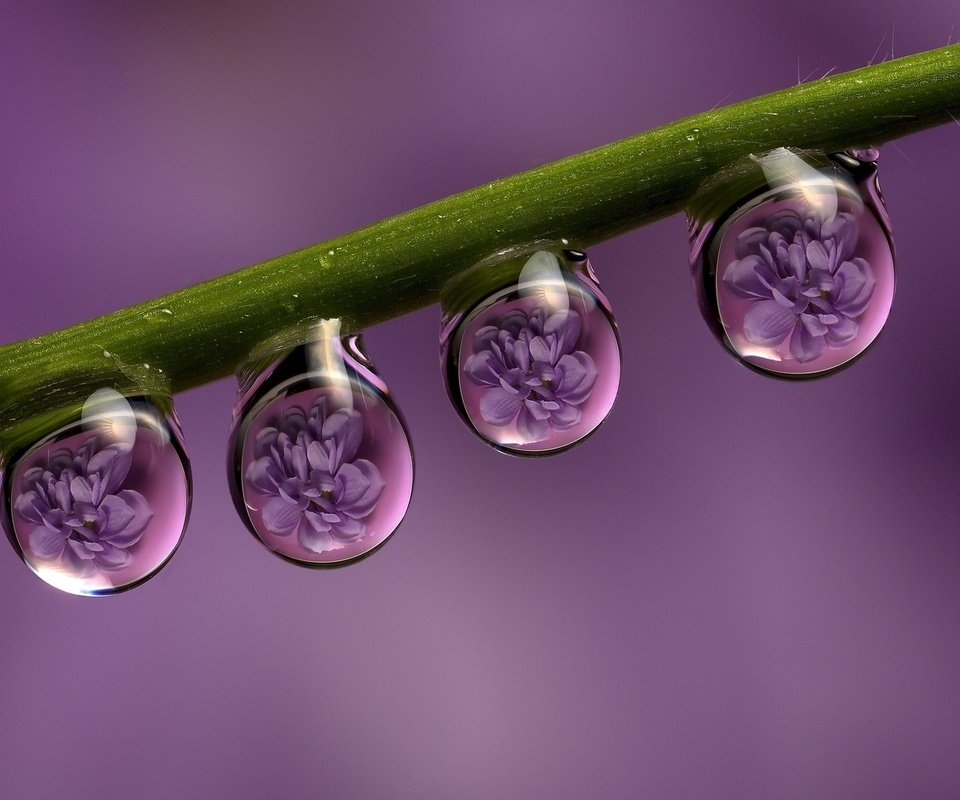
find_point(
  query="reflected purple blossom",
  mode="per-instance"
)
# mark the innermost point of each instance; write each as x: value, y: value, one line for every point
x: 536, y: 375
x: 81, y: 513
x: 806, y: 285
x: 318, y: 488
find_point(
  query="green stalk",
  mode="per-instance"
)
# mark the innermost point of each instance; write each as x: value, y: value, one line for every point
x: 206, y: 331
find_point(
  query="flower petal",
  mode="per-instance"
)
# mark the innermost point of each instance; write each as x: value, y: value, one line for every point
x: 295, y: 462
x: 565, y: 417
x: 768, y: 323
x: 316, y: 541
x: 749, y: 239
x: 345, y: 427
x: 484, y: 368
x: 264, y: 476
x: 500, y: 407
x: 804, y: 346
x: 842, y: 229
x: 749, y: 277
x: 111, y: 558
x: 125, y: 518
x: 30, y: 506
x: 348, y: 529
x: 316, y: 456
x: 813, y: 325
x: 362, y: 487
x: 80, y: 490
x: 539, y: 349
x: 291, y: 491
x: 80, y: 550
x: 112, y: 464
x: 843, y: 331
x: 565, y: 326
x: 62, y: 493
x: 316, y: 520
x: 781, y: 299
x: 116, y: 514
x: 577, y: 376
x: 857, y: 287
x: 817, y: 256
x: 797, y: 260
x: 265, y: 442
x: 46, y: 543
x: 521, y: 355
x: 532, y: 429
x: 536, y: 410
x: 280, y: 517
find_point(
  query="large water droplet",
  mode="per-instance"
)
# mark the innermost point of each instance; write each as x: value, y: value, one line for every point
x: 530, y: 352
x: 101, y: 503
x: 320, y: 464
x: 793, y: 261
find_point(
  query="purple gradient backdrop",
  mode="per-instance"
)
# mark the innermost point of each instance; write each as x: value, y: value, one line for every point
x: 738, y: 588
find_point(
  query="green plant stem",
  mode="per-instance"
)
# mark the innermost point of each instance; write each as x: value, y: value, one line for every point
x: 397, y: 265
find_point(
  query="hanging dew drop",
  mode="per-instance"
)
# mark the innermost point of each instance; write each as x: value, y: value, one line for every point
x: 100, y: 504
x: 320, y: 466
x: 531, y: 352
x: 795, y: 272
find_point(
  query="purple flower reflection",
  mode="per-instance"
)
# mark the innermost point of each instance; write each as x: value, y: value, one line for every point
x: 318, y: 488
x: 805, y: 284
x: 81, y: 514
x: 535, y: 375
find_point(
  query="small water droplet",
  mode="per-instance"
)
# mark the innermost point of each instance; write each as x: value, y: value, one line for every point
x: 531, y: 352
x: 321, y: 468
x: 100, y: 504
x: 158, y: 315
x: 795, y: 274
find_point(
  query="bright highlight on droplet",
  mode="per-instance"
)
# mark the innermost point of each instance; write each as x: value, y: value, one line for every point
x: 112, y: 414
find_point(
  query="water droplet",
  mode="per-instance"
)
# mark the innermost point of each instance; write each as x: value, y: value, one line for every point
x: 101, y: 503
x: 530, y: 352
x: 158, y: 315
x: 793, y: 261
x: 320, y: 466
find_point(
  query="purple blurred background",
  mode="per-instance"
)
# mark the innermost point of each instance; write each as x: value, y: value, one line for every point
x: 738, y: 588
